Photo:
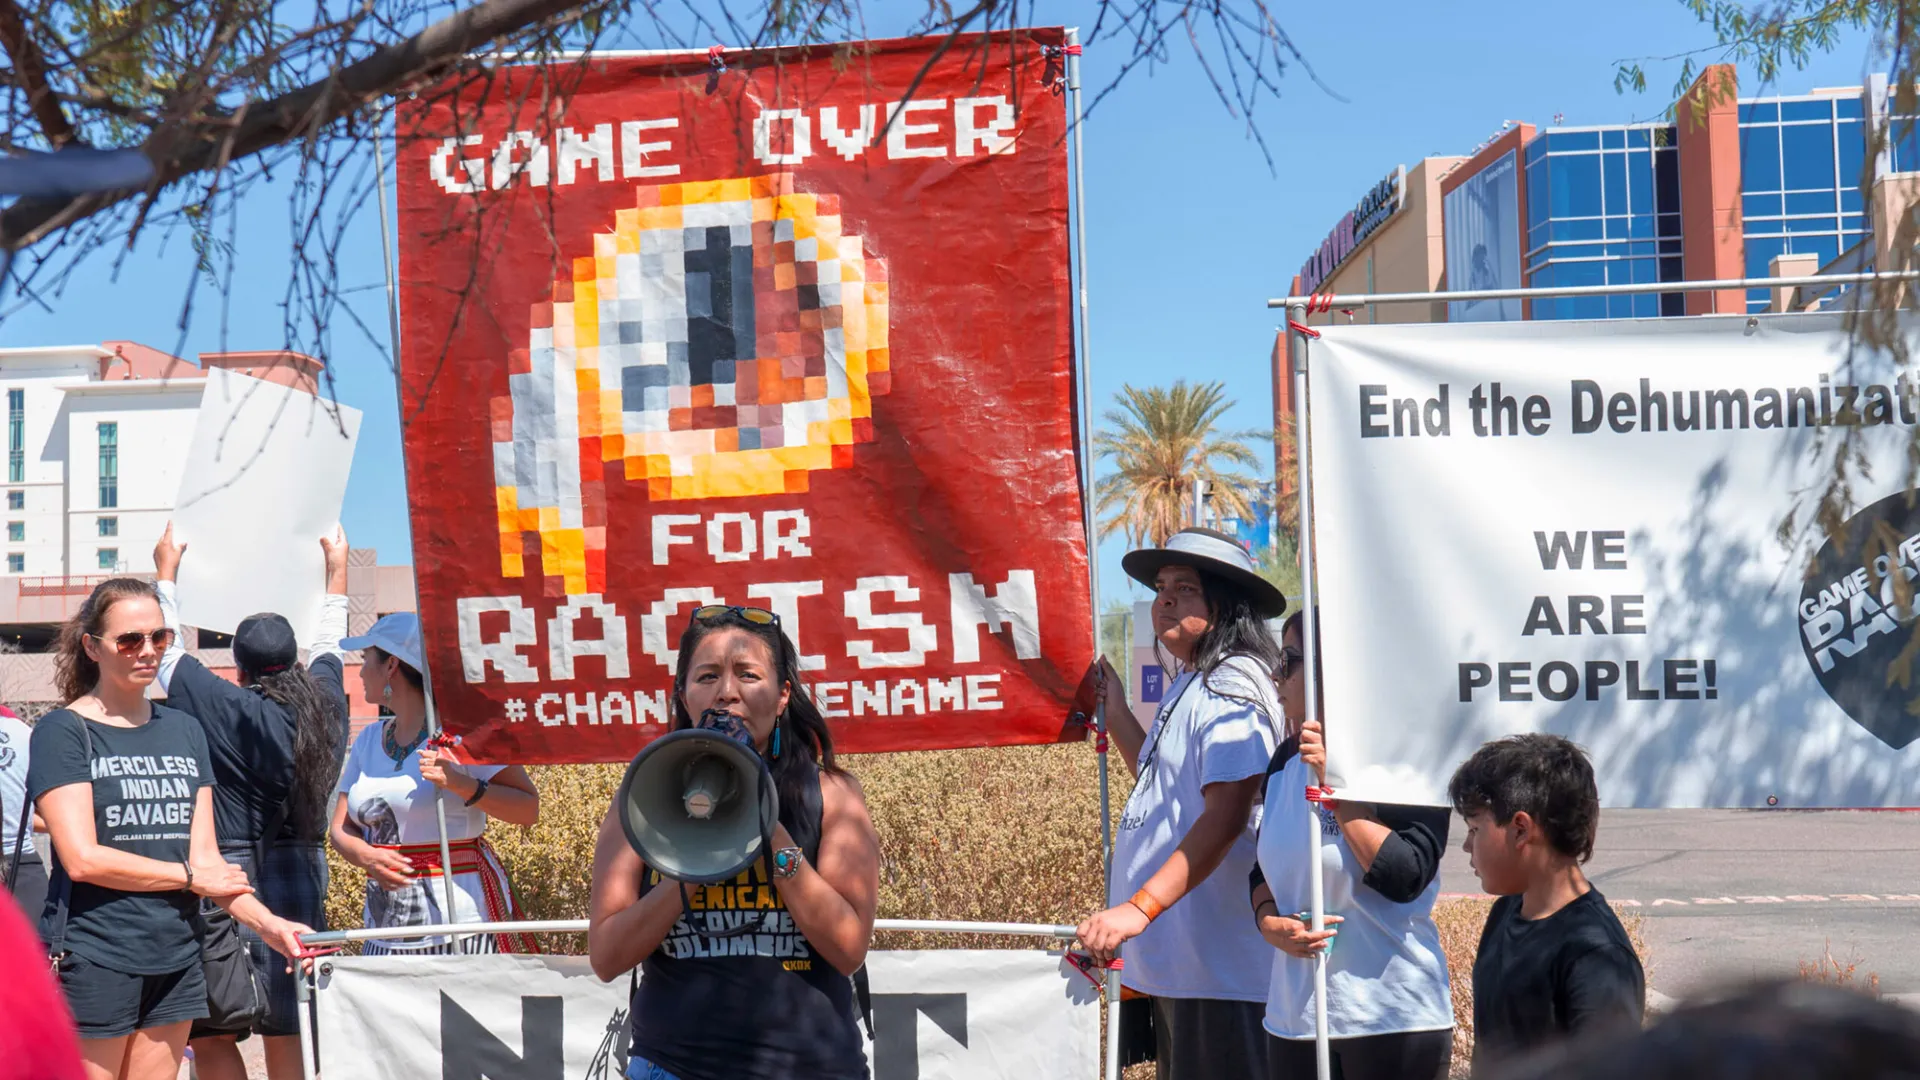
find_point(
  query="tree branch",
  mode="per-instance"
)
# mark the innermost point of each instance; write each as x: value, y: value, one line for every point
x: 263, y: 125
x: 30, y: 71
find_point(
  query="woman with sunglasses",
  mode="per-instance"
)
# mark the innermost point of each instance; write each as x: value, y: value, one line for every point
x: 1389, y: 1005
x: 384, y: 820
x: 125, y: 787
x: 776, y: 1003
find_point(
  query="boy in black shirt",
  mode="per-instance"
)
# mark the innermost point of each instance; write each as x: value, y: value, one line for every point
x: 1553, y: 959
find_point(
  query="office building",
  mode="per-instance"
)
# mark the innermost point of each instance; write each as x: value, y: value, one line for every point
x: 97, y: 436
x: 1733, y: 188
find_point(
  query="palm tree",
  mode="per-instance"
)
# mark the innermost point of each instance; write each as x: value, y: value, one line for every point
x: 1159, y: 442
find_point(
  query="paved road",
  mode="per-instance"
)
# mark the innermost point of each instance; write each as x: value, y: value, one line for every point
x: 1730, y: 895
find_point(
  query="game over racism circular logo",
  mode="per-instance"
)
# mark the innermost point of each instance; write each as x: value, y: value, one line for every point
x: 726, y: 339
x: 1854, y: 627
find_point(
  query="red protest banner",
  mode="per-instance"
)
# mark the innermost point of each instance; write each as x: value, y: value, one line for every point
x: 708, y: 329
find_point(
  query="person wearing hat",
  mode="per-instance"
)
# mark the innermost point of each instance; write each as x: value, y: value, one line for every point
x: 275, y: 740
x: 384, y: 821
x: 1185, y: 842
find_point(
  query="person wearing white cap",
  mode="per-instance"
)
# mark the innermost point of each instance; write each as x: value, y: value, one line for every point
x: 384, y: 820
x: 1185, y: 842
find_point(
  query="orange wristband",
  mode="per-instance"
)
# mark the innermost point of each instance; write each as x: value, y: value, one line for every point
x: 1148, y: 906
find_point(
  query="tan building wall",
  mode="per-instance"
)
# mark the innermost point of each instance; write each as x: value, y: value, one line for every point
x: 1407, y: 254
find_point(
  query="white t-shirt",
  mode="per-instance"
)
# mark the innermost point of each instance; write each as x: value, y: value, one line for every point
x: 1385, y: 971
x: 393, y: 805
x: 14, y: 737
x: 1206, y: 945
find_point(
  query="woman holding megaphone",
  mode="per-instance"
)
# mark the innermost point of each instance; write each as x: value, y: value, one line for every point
x: 747, y: 979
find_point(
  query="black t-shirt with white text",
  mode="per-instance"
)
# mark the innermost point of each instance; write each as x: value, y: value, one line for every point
x: 145, y: 780
x: 1539, y: 980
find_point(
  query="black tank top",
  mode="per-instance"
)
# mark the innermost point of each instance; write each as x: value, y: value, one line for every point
x: 757, y: 1006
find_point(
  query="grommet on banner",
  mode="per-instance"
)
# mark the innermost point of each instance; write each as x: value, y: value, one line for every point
x: 1085, y: 965
x: 716, y: 66
x: 1054, y: 76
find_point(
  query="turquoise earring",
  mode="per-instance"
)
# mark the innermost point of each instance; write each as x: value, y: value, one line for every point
x: 776, y: 741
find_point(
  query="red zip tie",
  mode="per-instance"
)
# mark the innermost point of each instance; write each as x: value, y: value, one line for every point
x: 1084, y: 965
x: 1322, y: 795
x: 1302, y: 328
x: 305, y: 953
x: 446, y: 740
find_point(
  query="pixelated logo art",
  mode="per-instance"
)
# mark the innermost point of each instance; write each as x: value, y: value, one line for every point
x: 725, y: 339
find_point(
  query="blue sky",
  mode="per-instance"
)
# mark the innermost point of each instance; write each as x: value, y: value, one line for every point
x: 1189, y: 228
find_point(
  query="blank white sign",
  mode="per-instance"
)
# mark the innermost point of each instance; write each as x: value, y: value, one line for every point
x: 263, y: 481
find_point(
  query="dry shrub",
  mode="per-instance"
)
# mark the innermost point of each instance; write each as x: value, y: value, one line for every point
x: 1846, y: 975
x: 998, y: 835
x: 1460, y: 921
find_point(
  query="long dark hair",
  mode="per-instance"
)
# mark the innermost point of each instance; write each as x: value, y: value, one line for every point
x: 805, y: 742
x: 74, y: 672
x: 316, y: 741
x: 1236, y: 630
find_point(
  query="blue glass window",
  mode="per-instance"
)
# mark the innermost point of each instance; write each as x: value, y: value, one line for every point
x: 1904, y: 133
x: 1753, y: 206
x: 1637, y: 137
x: 1849, y: 199
x: 1669, y: 247
x: 1589, y: 229
x: 1819, y: 109
x: 1760, y: 253
x: 1613, y: 140
x: 1639, y: 183
x: 1806, y: 154
x: 1573, y: 140
x: 1849, y: 108
x: 1852, y: 140
x: 1666, y: 173
x: 1669, y: 224
x: 1614, y: 170
x: 1536, y: 149
x: 1811, y: 202
x: 1573, y: 185
x: 1812, y: 224
x: 1760, y: 159
x: 1759, y: 112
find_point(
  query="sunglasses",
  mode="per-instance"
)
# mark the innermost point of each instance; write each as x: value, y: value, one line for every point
x: 1290, y: 660
x: 128, y: 644
x: 754, y: 615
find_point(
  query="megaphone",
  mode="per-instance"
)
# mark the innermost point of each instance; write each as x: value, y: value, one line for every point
x: 698, y: 805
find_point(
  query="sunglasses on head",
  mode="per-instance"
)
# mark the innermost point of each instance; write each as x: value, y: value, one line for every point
x: 128, y: 644
x: 757, y: 616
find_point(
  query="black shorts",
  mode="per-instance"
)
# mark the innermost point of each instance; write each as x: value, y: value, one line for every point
x: 107, y: 1004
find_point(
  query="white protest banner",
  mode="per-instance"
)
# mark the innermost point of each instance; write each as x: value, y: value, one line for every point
x: 937, y: 1015
x: 1576, y: 528
x: 263, y: 481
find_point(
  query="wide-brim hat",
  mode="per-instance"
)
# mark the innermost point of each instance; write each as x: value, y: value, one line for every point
x: 1213, y: 553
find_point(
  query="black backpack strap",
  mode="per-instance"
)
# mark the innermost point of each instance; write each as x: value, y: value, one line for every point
x: 863, y: 997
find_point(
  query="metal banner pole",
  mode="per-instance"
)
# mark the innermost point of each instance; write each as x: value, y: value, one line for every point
x: 1309, y: 641
x: 303, y: 998
x: 1079, y: 222
x: 387, y: 238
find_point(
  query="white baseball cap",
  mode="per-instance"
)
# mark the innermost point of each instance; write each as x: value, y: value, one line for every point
x: 397, y: 635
